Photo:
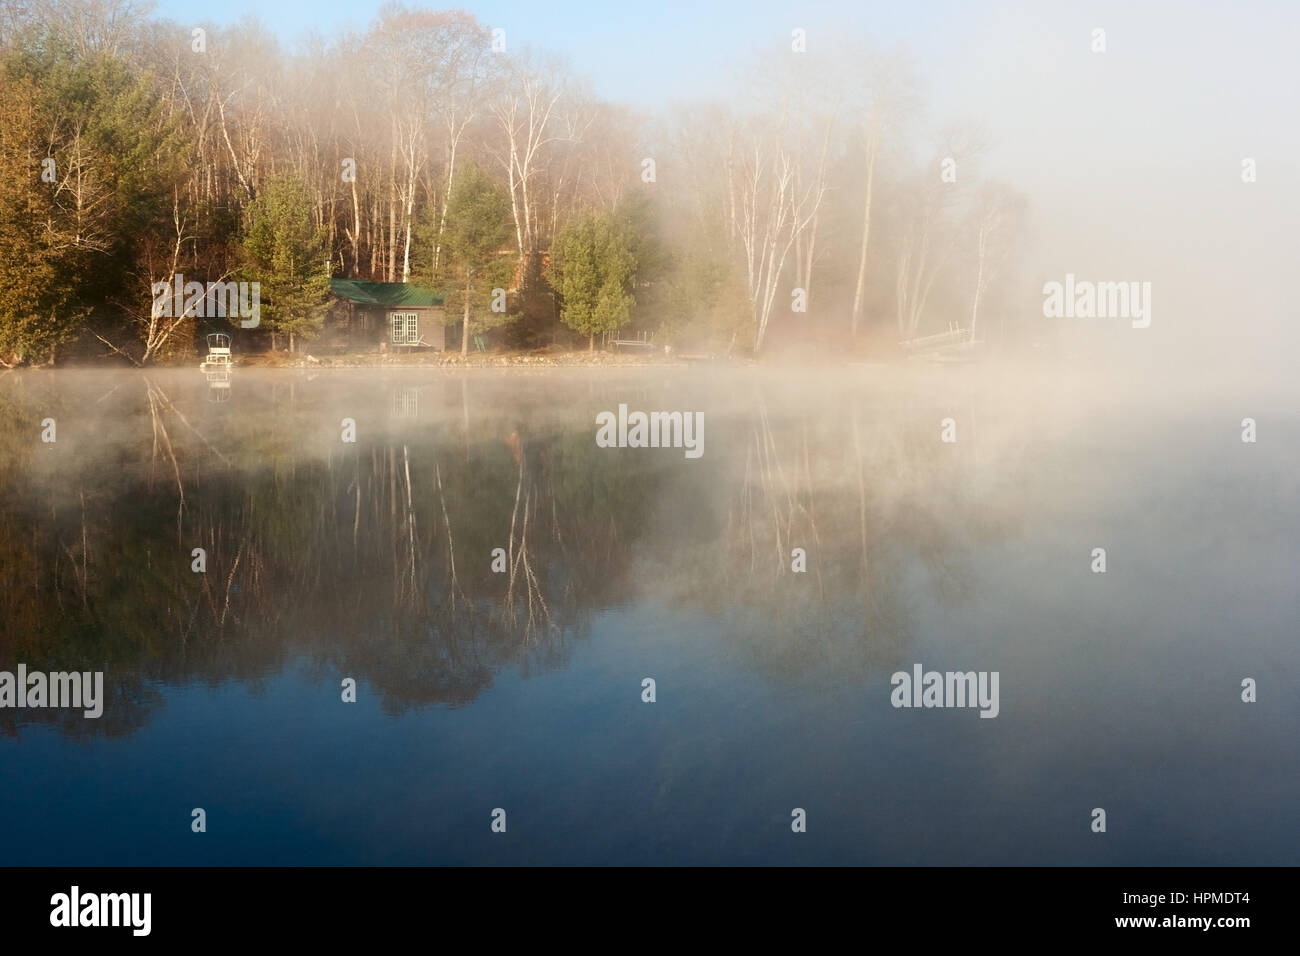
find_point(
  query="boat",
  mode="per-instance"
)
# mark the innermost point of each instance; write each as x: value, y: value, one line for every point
x: 218, y: 358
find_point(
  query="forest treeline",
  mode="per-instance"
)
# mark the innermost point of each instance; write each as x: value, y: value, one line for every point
x: 811, y: 207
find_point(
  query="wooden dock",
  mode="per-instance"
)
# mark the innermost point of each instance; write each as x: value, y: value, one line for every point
x: 942, y: 344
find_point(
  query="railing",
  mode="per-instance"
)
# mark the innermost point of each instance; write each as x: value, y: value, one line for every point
x: 642, y: 340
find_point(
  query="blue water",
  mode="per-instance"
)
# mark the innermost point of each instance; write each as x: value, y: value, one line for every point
x: 1118, y: 690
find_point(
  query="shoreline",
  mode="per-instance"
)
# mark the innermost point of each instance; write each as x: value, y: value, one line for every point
x: 521, y: 360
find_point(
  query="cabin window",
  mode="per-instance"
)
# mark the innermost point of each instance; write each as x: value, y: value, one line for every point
x: 406, y: 328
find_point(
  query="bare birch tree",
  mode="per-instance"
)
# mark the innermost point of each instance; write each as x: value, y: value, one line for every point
x: 771, y: 210
x: 524, y: 106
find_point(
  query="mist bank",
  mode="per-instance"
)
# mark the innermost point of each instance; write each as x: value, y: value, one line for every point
x: 464, y: 524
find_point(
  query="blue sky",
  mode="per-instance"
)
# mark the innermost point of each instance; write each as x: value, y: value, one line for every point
x: 646, y: 52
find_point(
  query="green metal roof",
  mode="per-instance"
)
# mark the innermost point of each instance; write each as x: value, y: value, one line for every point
x: 385, y: 293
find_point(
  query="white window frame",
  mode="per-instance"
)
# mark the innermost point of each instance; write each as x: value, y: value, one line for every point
x: 408, y: 333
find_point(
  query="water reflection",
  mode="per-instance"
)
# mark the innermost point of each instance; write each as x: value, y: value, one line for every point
x: 471, y: 526
x: 218, y: 384
x: 520, y: 686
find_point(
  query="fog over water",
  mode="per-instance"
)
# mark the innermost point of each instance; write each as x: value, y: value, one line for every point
x: 477, y: 689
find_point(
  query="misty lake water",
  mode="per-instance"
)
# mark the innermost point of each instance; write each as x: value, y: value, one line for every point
x: 522, y: 690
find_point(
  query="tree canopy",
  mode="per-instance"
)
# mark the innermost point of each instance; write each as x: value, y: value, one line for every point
x: 592, y: 271
x: 133, y: 148
x: 286, y: 253
x: 476, y: 233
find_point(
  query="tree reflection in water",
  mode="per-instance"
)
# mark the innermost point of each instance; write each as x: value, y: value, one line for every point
x: 374, y: 559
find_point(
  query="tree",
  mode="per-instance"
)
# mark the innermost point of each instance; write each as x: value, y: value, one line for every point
x: 476, y: 229
x: 523, y: 106
x: 927, y: 241
x: 464, y: 71
x: 995, y: 223
x: 286, y: 254
x: 772, y: 209
x: 702, y: 299
x: 89, y: 159
x: 35, y: 294
x: 592, y: 270
x: 890, y: 94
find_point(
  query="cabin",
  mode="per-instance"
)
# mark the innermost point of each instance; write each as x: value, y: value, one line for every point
x: 386, y: 315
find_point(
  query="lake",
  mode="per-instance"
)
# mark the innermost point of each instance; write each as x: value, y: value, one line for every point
x: 826, y: 538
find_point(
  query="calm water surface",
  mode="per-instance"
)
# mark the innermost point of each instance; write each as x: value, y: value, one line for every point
x: 522, y: 690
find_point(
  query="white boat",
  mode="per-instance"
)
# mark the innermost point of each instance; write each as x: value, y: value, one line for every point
x: 218, y: 353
